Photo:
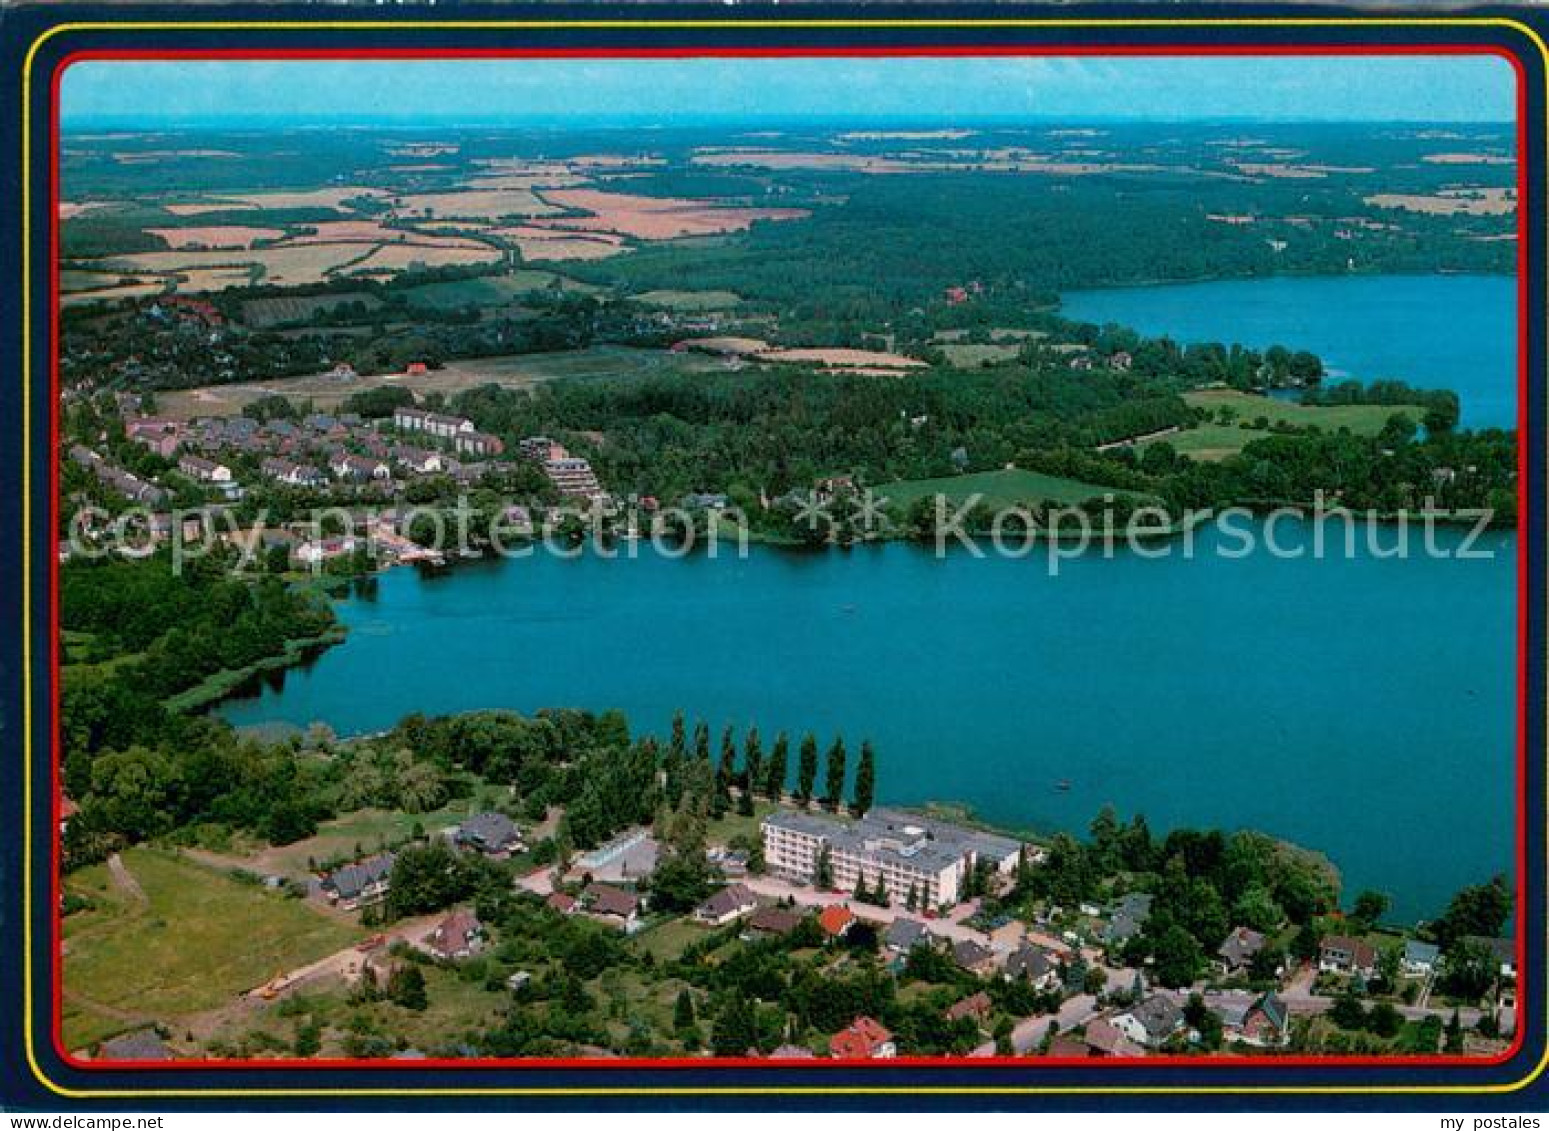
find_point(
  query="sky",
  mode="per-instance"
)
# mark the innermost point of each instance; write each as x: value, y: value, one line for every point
x: 668, y: 92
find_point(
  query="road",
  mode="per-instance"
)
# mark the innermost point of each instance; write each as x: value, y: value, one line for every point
x: 346, y: 963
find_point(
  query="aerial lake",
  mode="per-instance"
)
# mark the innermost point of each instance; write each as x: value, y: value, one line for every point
x: 1454, y: 332
x: 1360, y: 706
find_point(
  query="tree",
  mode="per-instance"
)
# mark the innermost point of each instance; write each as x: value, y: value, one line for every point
x: 736, y: 1027
x: 1369, y: 907
x: 406, y: 987
x: 823, y: 870
x: 912, y: 901
x: 807, y: 770
x: 833, y: 784
x: 1454, y: 1038
x: 683, y: 1014
x: 1385, y: 1020
x: 752, y: 778
x: 865, y: 780
x: 1177, y: 956
x: 1481, y: 910
x: 775, y: 771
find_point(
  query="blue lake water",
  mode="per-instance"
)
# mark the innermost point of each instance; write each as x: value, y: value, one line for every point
x: 1362, y: 707
x: 1434, y: 331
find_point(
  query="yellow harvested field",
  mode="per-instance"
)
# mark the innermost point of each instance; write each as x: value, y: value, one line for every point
x: 68, y: 210
x: 216, y: 236
x: 402, y: 257
x: 199, y: 208
x: 738, y: 347
x: 479, y: 204
x: 314, y: 198
x: 576, y: 247
x: 1451, y: 202
x: 282, y: 265
x: 211, y: 279
x: 373, y: 232
x: 658, y: 218
x: 843, y: 359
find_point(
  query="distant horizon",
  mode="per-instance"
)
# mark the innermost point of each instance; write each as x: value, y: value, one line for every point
x: 672, y: 93
x: 104, y: 127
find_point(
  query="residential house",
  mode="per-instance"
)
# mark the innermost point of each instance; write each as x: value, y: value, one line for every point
x: 1267, y: 1023
x: 793, y: 1052
x: 541, y: 449
x: 836, y: 920
x: 477, y: 444
x: 563, y: 902
x: 1419, y: 958
x: 359, y: 468
x: 1105, y: 1038
x: 863, y: 1039
x: 1152, y: 1022
x: 1032, y: 964
x: 776, y: 922
x: 204, y: 470
x: 727, y: 905
x: 431, y: 423
x: 1341, y: 954
x: 1129, y: 916
x: 1236, y: 953
x: 290, y: 473
x: 493, y: 834
x: 420, y: 461
x: 976, y: 1006
x: 163, y: 437
x: 1504, y: 950
x: 459, y: 935
x: 359, y: 884
x: 904, y: 934
x: 1067, y: 1047
x: 612, y: 905
x: 973, y: 956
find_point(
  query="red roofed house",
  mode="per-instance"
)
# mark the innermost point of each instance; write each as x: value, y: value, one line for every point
x: 864, y: 1039
x: 416, y: 369
x: 976, y: 1006
x: 836, y: 919
x: 459, y: 935
x: 561, y: 902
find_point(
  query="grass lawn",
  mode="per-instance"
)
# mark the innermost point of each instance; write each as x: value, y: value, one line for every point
x: 197, y: 940
x: 1001, y: 489
x: 667, y: 941
x: 689, y: 300
x: 734, y: 824
x: 369, y: 828
x: 1362, y: 419
x: 968, y: 355
x: 1209, y: 442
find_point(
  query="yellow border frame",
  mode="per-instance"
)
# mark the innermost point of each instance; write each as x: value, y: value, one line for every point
x: 615, y: 25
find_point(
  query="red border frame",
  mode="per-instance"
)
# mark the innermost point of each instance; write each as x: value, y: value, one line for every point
x: 564, y: 1063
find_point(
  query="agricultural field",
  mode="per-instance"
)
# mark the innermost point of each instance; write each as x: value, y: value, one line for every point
x: 689, y: 300
x: 283, y: 309
x: 1362, y: 419
x: 177, y: 938
x: 1001, y: 489
x: 492, y: 290
x: 327, y: 392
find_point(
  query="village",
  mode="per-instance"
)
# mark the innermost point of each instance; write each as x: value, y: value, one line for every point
x: 213, y: 464
x: 902, y: 893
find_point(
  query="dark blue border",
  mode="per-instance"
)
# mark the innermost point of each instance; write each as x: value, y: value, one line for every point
x: 19, y: 29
